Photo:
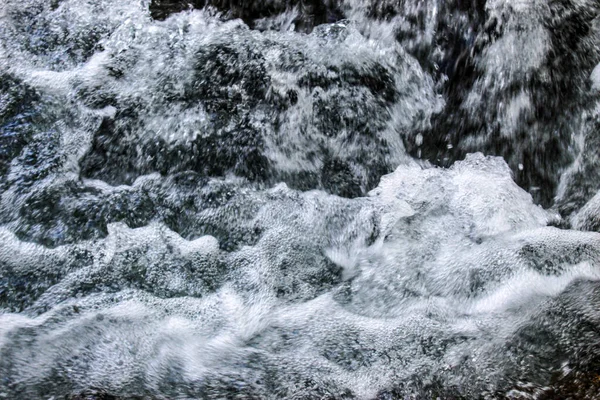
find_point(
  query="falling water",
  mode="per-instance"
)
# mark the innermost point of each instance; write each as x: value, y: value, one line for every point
x: 301, y: 199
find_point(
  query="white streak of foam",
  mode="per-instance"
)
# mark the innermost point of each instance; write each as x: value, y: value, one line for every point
x: 528, y: 287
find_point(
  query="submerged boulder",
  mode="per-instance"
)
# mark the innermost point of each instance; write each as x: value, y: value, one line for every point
x: 304, y: 14
x: 315, y: 113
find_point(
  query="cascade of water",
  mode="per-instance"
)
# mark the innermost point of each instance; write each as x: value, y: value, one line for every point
x: 299, y: 199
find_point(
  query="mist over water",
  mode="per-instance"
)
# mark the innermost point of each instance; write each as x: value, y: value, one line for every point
x: 301, y: 199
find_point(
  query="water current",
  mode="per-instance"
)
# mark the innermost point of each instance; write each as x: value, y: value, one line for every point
x: 299, y: 199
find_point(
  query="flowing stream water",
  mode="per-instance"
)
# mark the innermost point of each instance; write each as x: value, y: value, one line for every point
x: 300, y: 199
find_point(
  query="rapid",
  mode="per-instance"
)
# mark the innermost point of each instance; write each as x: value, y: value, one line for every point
x: 300, y: 199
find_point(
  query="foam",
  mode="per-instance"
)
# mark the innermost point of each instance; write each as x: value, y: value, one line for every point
x: 149, y: 248
x: 448, y: 274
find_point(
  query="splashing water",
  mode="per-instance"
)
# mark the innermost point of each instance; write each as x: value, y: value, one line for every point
x: 306, y: 199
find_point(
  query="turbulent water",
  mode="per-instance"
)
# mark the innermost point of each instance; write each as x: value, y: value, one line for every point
x: 302, y: 199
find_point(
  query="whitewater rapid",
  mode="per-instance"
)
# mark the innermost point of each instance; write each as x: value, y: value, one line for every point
x: 380, y: 201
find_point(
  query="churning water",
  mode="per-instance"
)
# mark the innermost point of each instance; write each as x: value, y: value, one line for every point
x: 352, y: 199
